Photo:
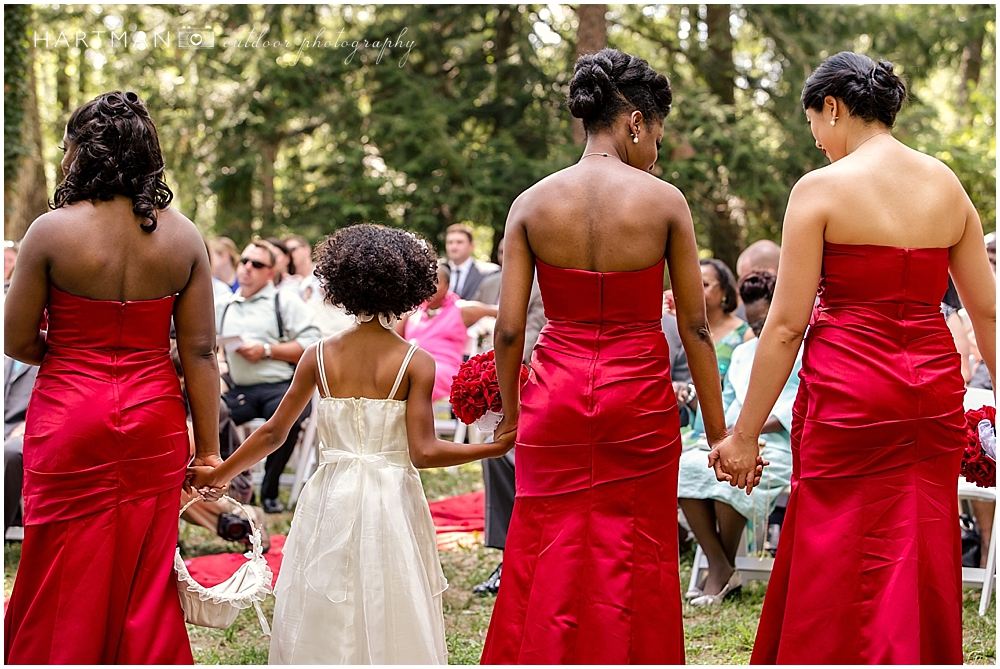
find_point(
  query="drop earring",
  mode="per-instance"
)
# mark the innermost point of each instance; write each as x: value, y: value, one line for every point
x: 833, y: 121
x: 635, y: 139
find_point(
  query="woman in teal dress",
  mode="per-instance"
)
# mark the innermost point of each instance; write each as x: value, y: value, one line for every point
x: 728, y: 330
x: 716, y: 511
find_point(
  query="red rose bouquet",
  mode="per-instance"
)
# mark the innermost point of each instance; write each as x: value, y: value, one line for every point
x: 979, y: 464
x: 475, y: 392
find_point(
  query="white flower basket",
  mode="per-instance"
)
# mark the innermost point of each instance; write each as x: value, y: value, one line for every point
x: 219, y: 605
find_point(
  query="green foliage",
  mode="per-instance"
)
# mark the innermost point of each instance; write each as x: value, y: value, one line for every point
x: 465, y: 108
x: 15, y: 84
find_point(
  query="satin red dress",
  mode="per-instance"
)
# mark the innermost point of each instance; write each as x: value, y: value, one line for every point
x: 590, y: 570
x: 869, y: 567
x: 105, y: 449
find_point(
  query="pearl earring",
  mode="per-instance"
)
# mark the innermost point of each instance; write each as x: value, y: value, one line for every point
x: 833, y: 121
x: 635, y: 139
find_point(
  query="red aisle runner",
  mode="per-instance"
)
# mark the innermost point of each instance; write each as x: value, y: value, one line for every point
x: 458, y: 520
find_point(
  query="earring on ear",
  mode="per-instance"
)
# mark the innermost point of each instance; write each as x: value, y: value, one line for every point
x: 635, y: 138
x: 833, y: 121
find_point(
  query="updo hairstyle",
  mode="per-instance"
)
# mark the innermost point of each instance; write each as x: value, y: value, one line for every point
x: 117, y: 153
x: 868, y: 88
x: 610, y: 82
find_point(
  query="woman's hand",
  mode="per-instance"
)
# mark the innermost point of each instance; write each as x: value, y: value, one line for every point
x: 202, y: 478
x: 508, y: 425
x: 737, y: 461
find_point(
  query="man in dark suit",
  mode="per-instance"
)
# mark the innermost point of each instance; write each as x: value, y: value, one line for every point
x: 18, y: 380
x: 466, y: 272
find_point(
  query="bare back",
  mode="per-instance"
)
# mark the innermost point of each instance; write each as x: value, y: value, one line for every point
x: 600, y: 215
x: 363, y: 362
x: 97, y: 250
x: 893, y: 197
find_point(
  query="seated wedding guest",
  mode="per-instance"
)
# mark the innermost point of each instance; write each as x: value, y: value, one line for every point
x: 275, y: 328
x: 225, y: 259
x: 950, y: 305
x: 716, y: 511
x: 284, y: 269
x: 301, y: 264
x: 18, y: 380
x: 9, y: 261
x: 329, y: 318
x: 498, y: 473
x: 728, y: 331
x: 466, y: 272
x: 440, y: 327
x: 762, y: 254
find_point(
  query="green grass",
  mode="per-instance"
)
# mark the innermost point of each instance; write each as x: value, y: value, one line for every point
x: 722, y: 635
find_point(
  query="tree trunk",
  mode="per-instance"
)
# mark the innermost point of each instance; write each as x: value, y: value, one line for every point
x: 268, y: 155
x: 720, y: 75
x: 719, y: 70
x: 27, y: 198
x: 591, y: 37
x: 972, y: 61
x: 62, y: 98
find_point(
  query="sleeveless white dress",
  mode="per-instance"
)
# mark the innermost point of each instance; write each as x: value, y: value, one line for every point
x: 360, y: 580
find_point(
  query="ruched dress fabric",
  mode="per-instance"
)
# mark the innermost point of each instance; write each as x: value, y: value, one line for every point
x: 868, y: 569
x: 590, y: 567
x: 105, y: 451
x: 360, y: 580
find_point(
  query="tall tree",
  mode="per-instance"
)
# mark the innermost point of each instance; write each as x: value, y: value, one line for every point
x: 592, y: 36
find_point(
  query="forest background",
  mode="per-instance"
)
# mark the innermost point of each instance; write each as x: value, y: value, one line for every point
x: 285, y: 120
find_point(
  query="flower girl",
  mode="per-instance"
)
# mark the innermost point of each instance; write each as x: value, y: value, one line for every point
x: 360, y: 581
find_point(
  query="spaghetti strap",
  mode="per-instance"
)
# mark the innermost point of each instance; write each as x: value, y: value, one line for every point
x: 402, y: 370
x: 322, y: 368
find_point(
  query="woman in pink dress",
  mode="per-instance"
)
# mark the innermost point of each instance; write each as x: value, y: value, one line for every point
x: 868, y: 569
x: 440, y: 326
x: 106, y: 439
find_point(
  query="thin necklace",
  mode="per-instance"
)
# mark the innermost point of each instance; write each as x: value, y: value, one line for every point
x: 606, y: 155
x: 872, y: 137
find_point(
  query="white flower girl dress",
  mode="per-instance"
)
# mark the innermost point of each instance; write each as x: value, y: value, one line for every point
x: 360, y: 581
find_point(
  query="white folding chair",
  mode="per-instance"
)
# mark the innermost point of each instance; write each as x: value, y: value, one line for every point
x: 973, y: 577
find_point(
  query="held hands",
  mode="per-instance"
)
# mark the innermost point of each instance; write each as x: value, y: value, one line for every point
x: 202, y: 478
x: 737, y: 461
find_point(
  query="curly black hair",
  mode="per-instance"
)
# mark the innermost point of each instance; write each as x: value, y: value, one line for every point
x: 869, y: 88
x: 727, y: 283
x: 757, y: 285
x: 370, y: 269
x: 610, y: 82
x: 117, y: 153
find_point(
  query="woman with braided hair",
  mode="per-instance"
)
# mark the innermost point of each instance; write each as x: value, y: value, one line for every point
x: 105, y: 443
x: 590, y: 567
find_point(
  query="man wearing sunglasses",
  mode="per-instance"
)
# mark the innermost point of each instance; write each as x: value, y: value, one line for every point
x: 275, y: 331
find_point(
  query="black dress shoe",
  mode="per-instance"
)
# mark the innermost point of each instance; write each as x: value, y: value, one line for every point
x: 273, y: 506
x: 491, y: 585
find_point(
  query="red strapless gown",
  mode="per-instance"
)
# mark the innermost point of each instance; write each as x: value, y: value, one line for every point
x: 868, y: 569
x: 105, y: 449
x: 590, y: 568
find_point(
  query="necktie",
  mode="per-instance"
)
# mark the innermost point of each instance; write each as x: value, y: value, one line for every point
x: 458, y: 285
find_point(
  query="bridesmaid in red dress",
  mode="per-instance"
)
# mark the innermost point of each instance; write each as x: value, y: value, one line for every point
x: 590, y: 568
x: 868, y: 569
x: 106, y: 443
